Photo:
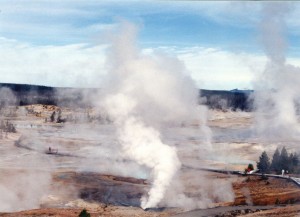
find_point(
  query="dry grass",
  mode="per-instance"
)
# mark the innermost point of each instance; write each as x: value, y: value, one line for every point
x: 265, y: 192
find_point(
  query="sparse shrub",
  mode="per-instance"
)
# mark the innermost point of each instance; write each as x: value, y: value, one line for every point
x: 84, y: 213
x: 7, y: 127
x: 11, y: 128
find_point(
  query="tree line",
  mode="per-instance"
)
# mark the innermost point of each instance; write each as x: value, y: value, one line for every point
x: 281, y: 160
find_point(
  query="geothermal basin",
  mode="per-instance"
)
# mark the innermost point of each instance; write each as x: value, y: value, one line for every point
x: 89, y: 169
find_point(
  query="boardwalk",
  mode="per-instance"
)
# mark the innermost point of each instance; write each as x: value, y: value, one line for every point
x: 234, y: 172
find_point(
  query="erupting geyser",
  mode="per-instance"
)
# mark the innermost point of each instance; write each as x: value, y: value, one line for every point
x: 143, y: 93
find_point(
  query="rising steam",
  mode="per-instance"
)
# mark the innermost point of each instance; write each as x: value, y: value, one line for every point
x: 145, y: 92
x: 277, y: 88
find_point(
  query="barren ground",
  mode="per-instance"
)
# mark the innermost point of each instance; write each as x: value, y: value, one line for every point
x: 103, y: 189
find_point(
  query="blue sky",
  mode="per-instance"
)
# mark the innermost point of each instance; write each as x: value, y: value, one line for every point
x: 48, y: 42
x: 162, y: 22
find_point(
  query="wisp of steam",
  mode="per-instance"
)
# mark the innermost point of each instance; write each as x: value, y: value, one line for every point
x: 143, y: 93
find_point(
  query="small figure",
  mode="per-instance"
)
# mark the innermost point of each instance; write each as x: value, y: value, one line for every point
x: 49, y: 149
x: 282, y: 172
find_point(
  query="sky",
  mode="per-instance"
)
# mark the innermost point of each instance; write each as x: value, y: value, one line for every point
x: 63, y: 42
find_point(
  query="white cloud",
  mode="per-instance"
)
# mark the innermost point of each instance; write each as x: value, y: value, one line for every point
x: 84, y: 65
x: 214, y: 68
x: 218, y: 69
x: 71, y: 65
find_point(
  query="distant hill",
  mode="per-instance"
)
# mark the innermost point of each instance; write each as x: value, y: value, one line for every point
x: 36, y: 94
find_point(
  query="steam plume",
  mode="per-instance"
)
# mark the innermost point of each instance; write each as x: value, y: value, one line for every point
x: 24, y: 190
x: 144, y: 92
x: 277, y: 88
